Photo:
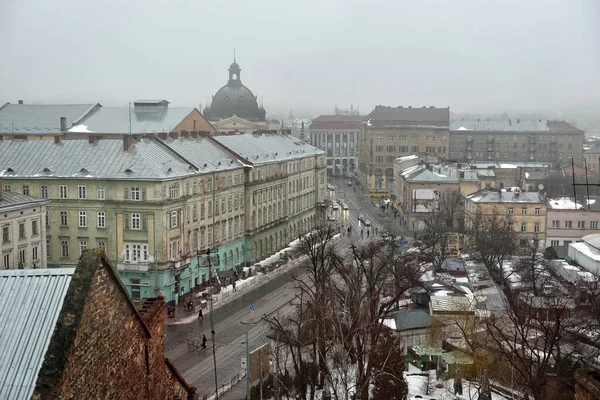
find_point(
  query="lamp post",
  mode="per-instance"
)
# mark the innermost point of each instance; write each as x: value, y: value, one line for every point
x: 212, y: 324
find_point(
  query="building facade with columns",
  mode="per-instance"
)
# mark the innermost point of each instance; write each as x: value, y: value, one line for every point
x: 337, y: 135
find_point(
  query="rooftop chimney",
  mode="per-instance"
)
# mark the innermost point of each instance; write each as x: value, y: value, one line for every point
x: 63, y: 124
x: 20, y: 101
x: 174, y: 135
x: 92, y: 138
x: 56, y: 139
x: 126, y: 142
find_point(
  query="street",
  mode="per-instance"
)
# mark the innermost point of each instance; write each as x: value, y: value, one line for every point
x: 232, y: 319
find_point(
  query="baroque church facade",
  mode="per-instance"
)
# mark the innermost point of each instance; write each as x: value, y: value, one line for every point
x: 234, y: 108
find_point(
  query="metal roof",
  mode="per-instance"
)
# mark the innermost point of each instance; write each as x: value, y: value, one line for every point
x: 490, y: 196
x: 506, y: 125
x: 40, y: 118
x: 405, y: 116
x: 267, y: 147
x: 12, y: 199
x: 412, y: 319
x: 336, y: 122
x: 116, y: 120
x: 202, y: 150
x: 104, y: 159
x: 30, y: 306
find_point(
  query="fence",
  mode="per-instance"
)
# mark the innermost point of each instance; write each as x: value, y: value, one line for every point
x: 226, y: 386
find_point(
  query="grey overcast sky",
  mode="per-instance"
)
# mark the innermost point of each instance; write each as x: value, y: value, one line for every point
x: 471, y: 55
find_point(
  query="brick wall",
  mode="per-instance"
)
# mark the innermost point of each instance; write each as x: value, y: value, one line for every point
x: 117, y: 352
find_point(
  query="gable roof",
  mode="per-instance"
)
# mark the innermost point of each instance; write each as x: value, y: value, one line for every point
x: 31, y: 303
x: 116, y: 120
x: 41, y: 119
x: 404, y: 116
x: 71, y: 312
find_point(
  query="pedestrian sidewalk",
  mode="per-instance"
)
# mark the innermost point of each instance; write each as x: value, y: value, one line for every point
x: 227, y: 294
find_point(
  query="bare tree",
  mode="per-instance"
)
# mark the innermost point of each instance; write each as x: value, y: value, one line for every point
x: 532, y: 266
x: 359, y: 290
x: 438, y: 225
x: 490, y: 241
x: 532, y: 340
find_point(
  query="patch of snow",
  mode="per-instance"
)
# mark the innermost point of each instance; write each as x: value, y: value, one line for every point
x: 564, y: 203
x: 390, y: 323
x: 81, y: 129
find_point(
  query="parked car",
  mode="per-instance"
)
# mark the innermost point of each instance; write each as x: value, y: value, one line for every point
x: 349, y: 183
x: 330, y: 218
x: 367, y: 222
x: 335, y: 206
x: 330, y: 186
x: 345, y: 206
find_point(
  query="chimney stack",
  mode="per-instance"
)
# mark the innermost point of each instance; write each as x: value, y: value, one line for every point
x: 92, y: 138
x: 56, y: 139
x: 20, y: 101
x: 174, y: 135
x: 126, y: 142
x: 63, y: 124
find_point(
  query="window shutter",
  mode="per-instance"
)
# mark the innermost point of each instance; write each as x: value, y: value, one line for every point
x: 143, y: 193
x: 145, y: 222
x: 126, y: 220
x: 126, y: 194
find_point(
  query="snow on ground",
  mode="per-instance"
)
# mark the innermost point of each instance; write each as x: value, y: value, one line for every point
x: 416, y: 386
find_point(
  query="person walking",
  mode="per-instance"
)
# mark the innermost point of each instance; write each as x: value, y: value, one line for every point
x: 203, y: 341
x: 362, y: 233
x: 368, y: 233
x: 200, y: 316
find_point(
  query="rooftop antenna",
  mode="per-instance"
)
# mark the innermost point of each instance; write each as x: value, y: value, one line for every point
x: 234, y: 54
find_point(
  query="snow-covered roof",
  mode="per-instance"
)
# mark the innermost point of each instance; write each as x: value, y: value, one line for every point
x: 564, y: 203
x: 593, y: 240
x: 587, y: 250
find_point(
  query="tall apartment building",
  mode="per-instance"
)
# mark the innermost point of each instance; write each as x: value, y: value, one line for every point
x: 23, y: 222
x: 391, y: 132
x: 156, y: 203
x: 338, y: 136
x: 533, y: 141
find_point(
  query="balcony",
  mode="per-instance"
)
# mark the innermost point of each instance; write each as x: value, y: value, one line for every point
x: 135, y: 266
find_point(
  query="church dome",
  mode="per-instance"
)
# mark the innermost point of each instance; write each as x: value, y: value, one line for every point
x: 234, y: 99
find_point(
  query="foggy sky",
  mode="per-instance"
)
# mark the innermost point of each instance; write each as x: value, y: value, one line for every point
x: 309, y: 55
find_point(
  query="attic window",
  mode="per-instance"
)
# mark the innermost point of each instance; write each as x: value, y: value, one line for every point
x: 83, y: 170
x: 169, y: 170
x: 231, y: 162
x: 128, y: 170
x: 205, y: 165
x: 219, y: 163
x: 46, y: 169
x: 10, y: 170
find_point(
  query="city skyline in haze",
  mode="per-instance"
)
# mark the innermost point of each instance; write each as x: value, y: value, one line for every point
x: 514, y: 56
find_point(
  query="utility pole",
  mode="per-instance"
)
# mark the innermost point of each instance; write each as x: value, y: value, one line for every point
x: 247, y: 368
x: 275, y: 376
x: 212, y: 324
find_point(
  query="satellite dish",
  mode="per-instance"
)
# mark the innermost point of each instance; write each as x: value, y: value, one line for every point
x: 541, y: 186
